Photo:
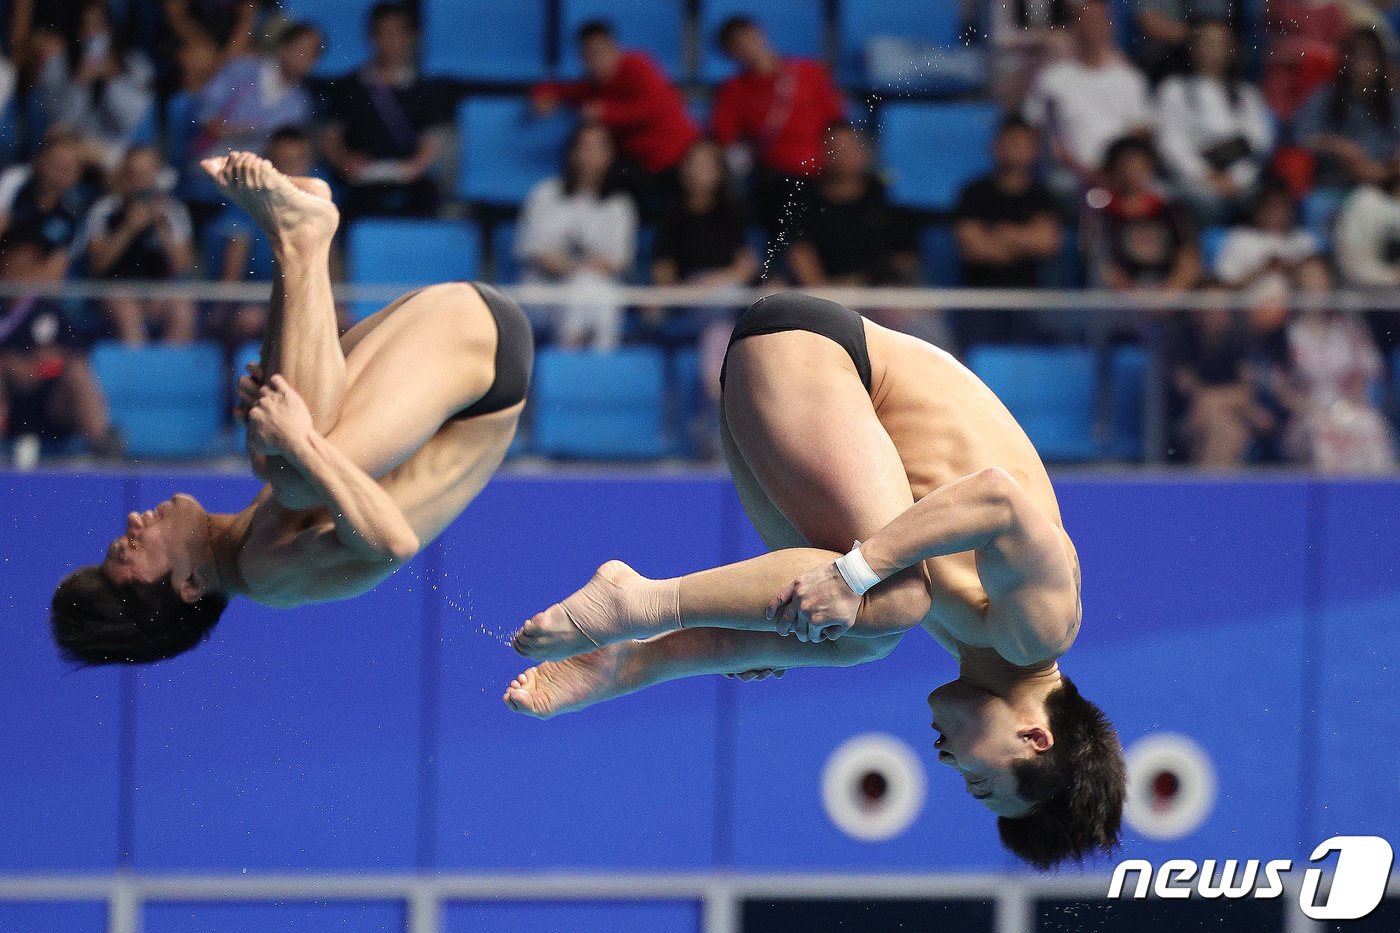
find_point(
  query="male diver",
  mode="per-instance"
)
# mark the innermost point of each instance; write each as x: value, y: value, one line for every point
x: 838, y: 430
x: 370, y: 444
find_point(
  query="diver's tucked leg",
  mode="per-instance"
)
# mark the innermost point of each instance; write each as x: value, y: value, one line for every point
x: 556, y: 687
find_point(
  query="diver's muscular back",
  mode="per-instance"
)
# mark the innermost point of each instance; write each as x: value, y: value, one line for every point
x: 946, y: 424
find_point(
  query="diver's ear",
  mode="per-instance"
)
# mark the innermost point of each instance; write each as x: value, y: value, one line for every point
x: 194, y: 586
x: 1039, y: 739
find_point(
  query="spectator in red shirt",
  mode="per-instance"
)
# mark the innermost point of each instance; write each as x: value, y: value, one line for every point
x: 627, y: 92
x: 776, y: 112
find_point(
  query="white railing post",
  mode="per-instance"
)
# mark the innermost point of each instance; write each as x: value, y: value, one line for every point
x: 424, y: 909
x: 124, y: 907
x: 721, y: 909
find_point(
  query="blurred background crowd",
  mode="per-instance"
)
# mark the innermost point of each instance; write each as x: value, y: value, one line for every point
x: 1133, y: 146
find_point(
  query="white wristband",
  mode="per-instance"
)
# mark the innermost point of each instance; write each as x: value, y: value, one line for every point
x: 855, y: 570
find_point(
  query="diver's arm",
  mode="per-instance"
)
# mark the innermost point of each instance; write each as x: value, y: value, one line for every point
x: 366, y: 519
x: 1030, y: 579
x: 1022, y: 561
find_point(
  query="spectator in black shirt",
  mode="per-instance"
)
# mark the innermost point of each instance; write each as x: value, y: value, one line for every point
x: 379, y: 140
x: 1005, y: 222
x: 46, y: 386
x: 1145, y: 240
x: 702, y: 241
x: 44, y: 202
x: 850, y: 234
x: 140, y: 232
x: 1006, y: 227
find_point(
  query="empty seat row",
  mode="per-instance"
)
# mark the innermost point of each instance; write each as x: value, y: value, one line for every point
x: 1056, y: 395
x: 509, y: 40
x: 169, y: 401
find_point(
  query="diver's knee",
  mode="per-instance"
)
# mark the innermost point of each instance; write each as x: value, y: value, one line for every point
x: 899, y: 604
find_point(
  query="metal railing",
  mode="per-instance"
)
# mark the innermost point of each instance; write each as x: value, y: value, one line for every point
x: 886, y: 298
x: 720, y: 896
x: 1104, y: 307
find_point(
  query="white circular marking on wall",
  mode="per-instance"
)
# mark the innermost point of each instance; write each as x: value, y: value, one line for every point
x: 873, y: 787
x: 1171, y: 786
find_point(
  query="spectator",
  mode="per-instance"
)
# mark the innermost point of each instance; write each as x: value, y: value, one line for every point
x: 1213, y: 130
x: 850, y: 234
x: 1088, y: 101
x: 1335, y: 367
x: 702, y: 241
x: 44, y: 202
x: 1005, y: 222
x: 1270, y: 247
x: 379, y: 141
x: 628, y: 93
x: 1301, y: 50
x: 240, y: 251
x: 251, y: 96
x: 140, y: 232
x: 580, y: 230
x: 1006, y: 227
x: 208, y: 36
x: 1368, y: 234
x: 773, y: 116
x: 46, y: 386
x: 1025, y: 37
x: 1353, y: 125
x: 93, y: 84
x: 1164, y: 32
x: 1210, y: 371
x: 1147, y: 240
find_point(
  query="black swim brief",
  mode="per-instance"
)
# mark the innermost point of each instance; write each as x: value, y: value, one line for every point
x: 515, y: 355
x: 796, y: 311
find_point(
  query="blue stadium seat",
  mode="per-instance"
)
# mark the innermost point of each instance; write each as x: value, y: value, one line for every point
x: 411, y: 252
x: 932, y: 150
x: 600, y: 406
x: 504, y: 150
x: 938, y: 257
x: 468, y: 39
x: 344, y: 24
x: 167, y: 401
x: 687, y: 399
x: 1128, y: 379
x: 653, y: 26
x: 505, y: 270
x: 1212, y: 239
x: 794, y: 27
x: 935, y: 22
x: 1050, y: 391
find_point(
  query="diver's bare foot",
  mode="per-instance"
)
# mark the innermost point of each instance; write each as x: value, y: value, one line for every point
x: 295, y: 212
x: 556, y: 687
x: 616, y: 605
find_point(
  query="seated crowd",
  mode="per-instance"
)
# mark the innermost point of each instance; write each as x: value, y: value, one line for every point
x: 1172, y: 164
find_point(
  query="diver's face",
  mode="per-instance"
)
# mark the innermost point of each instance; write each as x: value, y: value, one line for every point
x: 978, y: 738
x: 157, y: 544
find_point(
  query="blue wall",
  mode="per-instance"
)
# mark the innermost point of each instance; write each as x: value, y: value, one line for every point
x: 1255, y: 616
